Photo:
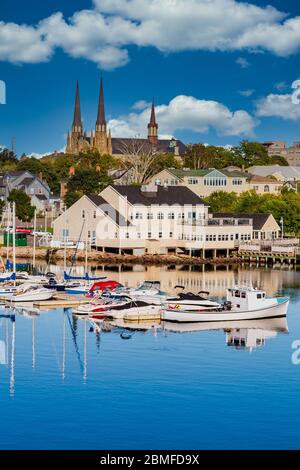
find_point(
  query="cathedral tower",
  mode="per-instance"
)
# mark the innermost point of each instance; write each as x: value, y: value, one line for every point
x: 100, y: 139
x: 153, y: 127
x: 74, y: 140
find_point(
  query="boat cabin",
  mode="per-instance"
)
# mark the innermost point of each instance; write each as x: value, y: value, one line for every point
x: 247, y: 298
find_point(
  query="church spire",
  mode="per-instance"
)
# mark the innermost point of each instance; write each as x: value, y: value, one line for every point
x: 101, y: 122
x: 77, y: 122
x: 153, y: 126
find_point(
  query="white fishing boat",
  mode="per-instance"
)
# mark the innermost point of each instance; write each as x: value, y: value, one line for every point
x: 241, y: 304
x: 31, y: 293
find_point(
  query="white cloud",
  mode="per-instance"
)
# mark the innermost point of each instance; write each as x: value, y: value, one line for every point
x: 186, y: 113
x: 280, y: 106
x: 103, y: 34
x: 243, y: 62
x: 140, y: 105
x: 246, y: 93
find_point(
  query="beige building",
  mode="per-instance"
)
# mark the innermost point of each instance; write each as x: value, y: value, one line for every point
x: 205, y: 182
x: 291, y: 154
x: 153, y: 219
x: 265, y: 184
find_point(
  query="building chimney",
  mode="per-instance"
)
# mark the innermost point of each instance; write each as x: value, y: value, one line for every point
x: 72, y: 171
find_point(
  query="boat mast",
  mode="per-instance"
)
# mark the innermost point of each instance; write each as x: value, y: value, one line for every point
x: 8, y: 230
x: 34, y: 239
x: 14, y: 242
x: 86, y: 249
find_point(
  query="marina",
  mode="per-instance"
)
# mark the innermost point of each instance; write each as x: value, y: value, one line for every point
x: 99, y: 373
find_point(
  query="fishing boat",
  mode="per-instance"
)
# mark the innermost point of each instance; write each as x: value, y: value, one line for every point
x: 243, y: 303
x: 31, y: 293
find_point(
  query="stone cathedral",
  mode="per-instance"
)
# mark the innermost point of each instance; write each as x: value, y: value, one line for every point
x: 101, y: 139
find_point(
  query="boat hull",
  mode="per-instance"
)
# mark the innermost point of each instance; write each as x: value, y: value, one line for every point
x: 33, y: 297
x: 274, y: 311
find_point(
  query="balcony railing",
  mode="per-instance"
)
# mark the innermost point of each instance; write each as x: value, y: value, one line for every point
x: 216, y: 222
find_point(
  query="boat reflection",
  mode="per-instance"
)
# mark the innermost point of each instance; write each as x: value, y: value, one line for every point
x: 249, y: 334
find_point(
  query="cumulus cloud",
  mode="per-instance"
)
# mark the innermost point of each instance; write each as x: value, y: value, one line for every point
x: 186, y: 112
x: 104, y: 33
x: 140, y: 105
x: 280, y: 106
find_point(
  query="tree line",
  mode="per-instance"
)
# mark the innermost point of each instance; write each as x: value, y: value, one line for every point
x: 92, y: 171
x: 285, y: 205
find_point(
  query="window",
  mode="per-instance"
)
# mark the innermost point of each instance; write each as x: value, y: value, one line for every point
x: 160, y: 235
x: 237, y: 182
x: 160, y: 216
x: 150, y: 216
x: 215, y: 181
x: 65, y: 233
x: 139, y: 235
x: 192, y: 181
x: 89, y: 234
x: 171, y: 216
x: 94, y: 234
x: 267, y: 189
x: 171, y: 234
x: 139, y: 216
x: 149, y: 235
x: 259, y: 296
x: 83, y: 214
x: 127, y: 235
x: 95, y: 214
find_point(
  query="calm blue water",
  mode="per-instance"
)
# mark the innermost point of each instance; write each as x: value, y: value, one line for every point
x: 156, y: 390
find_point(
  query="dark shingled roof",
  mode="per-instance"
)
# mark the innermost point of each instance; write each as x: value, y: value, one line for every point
x: 163, y: 145
x: 41, y: 197
x: 27, y: 181
x: 170, y: 195
x: 114, y: 215
x: 259, y: 220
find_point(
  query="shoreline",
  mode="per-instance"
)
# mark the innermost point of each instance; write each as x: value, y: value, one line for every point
x: 55, y: 255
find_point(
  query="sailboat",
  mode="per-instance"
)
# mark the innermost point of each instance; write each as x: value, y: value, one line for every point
x: 10, y: 277
x: 79, y: 284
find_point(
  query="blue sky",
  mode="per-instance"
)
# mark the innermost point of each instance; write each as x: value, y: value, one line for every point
x: 217, y: 76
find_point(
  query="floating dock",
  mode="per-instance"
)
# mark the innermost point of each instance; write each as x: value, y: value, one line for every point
x: 63, y: 300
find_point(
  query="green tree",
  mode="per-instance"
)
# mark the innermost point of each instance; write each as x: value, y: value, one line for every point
x: 72, y: 197
x: 24, y: 209
x: 220, y: 201
x: 7, y: 156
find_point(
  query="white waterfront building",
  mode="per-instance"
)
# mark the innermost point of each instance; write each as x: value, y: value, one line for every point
x: 157, y: 220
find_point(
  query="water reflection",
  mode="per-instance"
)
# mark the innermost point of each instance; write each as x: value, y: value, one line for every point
x: 249, y: 334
